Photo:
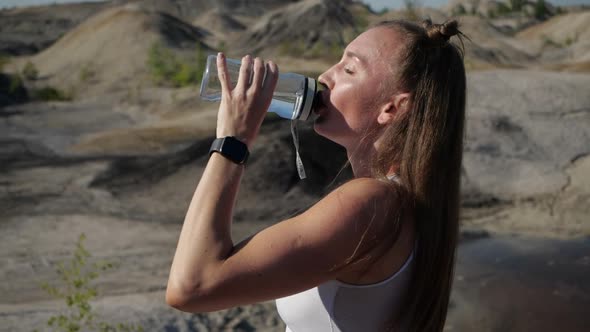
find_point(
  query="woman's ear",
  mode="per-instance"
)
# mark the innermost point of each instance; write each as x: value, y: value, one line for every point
x: 399, y: 103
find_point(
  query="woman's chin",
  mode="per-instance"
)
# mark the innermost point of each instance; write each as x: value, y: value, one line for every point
x: 319, y: 126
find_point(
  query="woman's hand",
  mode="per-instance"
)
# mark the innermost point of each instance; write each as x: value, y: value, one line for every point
x: 244, y: 106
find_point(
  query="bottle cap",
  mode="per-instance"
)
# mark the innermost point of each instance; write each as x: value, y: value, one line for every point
x: 311, y: 87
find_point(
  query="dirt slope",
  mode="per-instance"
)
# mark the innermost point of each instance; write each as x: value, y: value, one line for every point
x: 561, y: 39
x: 109, y: 51
x: 28, y: 30
x: 312, y: 27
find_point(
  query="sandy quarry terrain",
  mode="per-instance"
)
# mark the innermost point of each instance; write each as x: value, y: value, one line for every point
x: 119, y: 162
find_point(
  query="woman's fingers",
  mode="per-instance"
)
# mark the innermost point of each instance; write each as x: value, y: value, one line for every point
x: 245, y: 73
x: 270, y: 81
x: 224, y: 79
x: 258, y: 73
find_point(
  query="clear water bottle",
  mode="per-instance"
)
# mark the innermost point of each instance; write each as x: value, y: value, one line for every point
x: 293, y: 97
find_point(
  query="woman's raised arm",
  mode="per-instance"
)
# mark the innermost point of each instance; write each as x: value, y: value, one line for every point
x: 209, y: 273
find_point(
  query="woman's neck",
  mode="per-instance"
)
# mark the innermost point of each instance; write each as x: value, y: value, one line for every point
x: 360, y: 160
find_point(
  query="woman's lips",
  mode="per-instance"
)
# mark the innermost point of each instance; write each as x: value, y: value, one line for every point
x: 320, y: 104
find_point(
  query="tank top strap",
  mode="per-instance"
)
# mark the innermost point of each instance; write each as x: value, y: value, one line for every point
x: 393, y: 177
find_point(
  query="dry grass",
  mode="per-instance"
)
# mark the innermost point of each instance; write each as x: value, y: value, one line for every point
x: 140, y: 140
x: 472, y: 64
x: 576, y: 67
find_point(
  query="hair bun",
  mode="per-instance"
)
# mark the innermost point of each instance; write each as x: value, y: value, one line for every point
x: 440, y: 33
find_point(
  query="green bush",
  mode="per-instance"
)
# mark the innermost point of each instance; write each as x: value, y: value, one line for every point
x: 474, y: 6
x: 547, y: 41
x: 570, y: 40
x: 459, y: 10
x: 4, y: 60
x: 167, y: 68
x: 382, y: 11
x: 516, y: 5
x: 50, y: 94
x: 411, y: 12
x: 503, y: 9
x: 540, y: 10
x: 76, y: 290
x: 16, y: 82
x: 292, y: 48
x: 30, y: 72
x: 491, y: 13
x: 87, y: 72
x: 329, y: 51
x: 221, y: 46
x: 361, y: 20
x: 559, y: 11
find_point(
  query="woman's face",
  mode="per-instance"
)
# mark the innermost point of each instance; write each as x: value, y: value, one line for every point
x: 355, y: 86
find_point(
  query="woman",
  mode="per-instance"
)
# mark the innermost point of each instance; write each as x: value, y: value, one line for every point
x: 378, y: 252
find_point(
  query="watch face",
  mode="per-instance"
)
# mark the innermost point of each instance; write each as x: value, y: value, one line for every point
x: 237, y: 150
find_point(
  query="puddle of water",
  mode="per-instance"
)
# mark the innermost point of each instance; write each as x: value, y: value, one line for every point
x: 521, y: 284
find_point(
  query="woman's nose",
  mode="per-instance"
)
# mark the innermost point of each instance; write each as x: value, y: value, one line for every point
x: 324, y: 79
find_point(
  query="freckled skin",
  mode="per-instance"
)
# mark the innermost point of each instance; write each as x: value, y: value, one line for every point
x: 355, y: 84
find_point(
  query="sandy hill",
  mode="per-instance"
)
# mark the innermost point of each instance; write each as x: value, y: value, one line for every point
x: 295, y: 30
x: 191, y: 9
x: 251, y: 8
x: 435, y: 14
x: 490, y: 47
x: 561, y: 27
x: 219, y: 22
x: 28, y: 30
x: 310, y: 27
x: 490, y: 8
x: 109, y: 51
x: 185, y: 9
x: 561, y: 39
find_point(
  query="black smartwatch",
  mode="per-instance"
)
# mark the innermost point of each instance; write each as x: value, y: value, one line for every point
x: 231, y: 148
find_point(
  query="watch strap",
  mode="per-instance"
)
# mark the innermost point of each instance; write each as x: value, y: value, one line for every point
x: 231, y: 148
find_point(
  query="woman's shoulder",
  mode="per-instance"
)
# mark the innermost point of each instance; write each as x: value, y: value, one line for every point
x: 367, y: 188
x: 361, y: 202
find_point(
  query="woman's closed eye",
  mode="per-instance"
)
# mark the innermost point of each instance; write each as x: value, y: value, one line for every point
x: 348, y: 71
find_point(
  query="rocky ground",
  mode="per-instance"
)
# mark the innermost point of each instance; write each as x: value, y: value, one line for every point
x: 525, y: 180
x: 120, y: 162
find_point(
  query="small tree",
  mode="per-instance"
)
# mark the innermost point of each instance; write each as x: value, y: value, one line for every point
x: 4, y: 60
x: 87, y: 72
x: 16, y: 82
x: 516, y: 5
x: 76, y: 291
x: 474, y: 4
x: 502, y: 9
x: 459, y: 10
x: 167, y: 67
x: 540, y: 11
x: 30, y: 72
x: 412, y: 9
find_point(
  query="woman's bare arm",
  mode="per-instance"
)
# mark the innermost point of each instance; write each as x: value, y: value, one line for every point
x: 209, y: 273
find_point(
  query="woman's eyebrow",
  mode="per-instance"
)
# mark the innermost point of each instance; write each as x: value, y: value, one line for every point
x: 360, y: 58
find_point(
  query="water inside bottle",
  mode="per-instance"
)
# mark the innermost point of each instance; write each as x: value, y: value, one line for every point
x: 287, y: 99
x: 284, y: 104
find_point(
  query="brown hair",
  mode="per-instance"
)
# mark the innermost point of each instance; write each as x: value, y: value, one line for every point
x: 426, y: 143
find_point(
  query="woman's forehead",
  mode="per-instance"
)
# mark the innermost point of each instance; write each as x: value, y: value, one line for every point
x: 375, y: 44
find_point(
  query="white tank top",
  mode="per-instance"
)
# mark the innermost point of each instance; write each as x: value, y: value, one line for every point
x: 339, y: 307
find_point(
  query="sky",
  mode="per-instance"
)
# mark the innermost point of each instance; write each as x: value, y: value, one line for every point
x: 375, y: 4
